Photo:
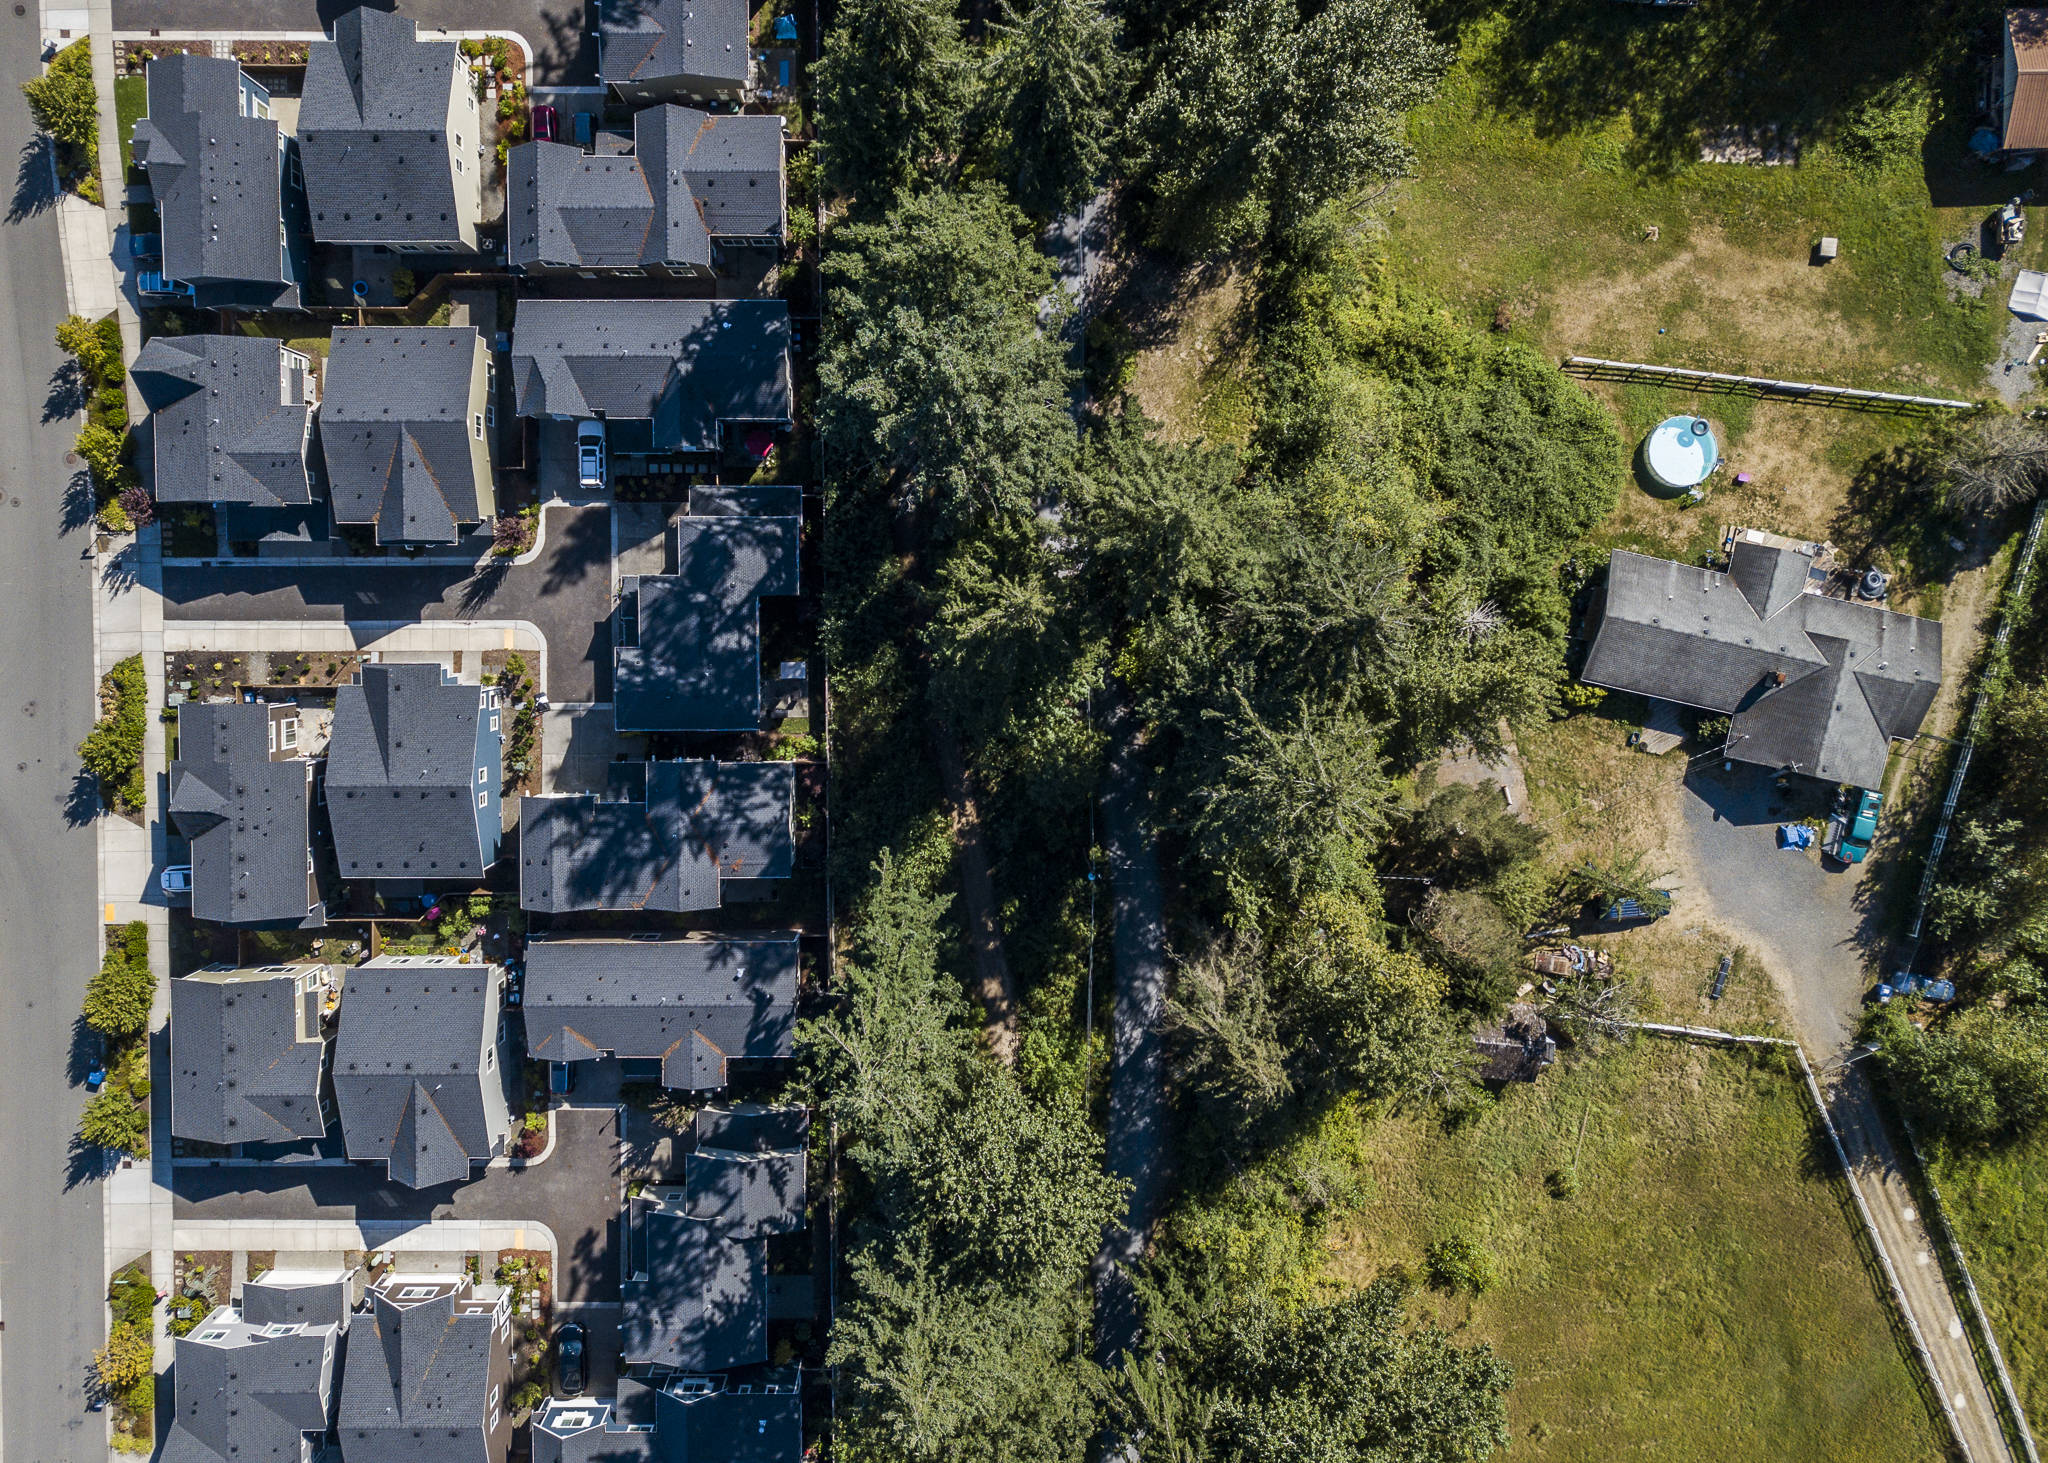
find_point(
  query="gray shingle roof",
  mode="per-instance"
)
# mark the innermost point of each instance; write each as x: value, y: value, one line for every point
x: 245, y: 815
x: 239, y: 1072
x: 691, y: 177
x: 214, y: 175
x: 272, y: 1299
x: 402, y: 781
x: 396, y: 428
x: 417, y: 1385
x: 698, y: 1299
x: 244, y: 1397
x: 747, y: 1194
x: 372, y: 133
x: 694, y: 1004
x: 228, y: 420
x: 1814, y: 684
x: 752, y: 1128
x: 696, y: 824
x: 683, y: 365
x: 693, y: 1420
x: 408, y: 1074
x: 653, y: 42
x: 696, y: 663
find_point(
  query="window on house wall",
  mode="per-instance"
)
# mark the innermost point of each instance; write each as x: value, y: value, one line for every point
x: 476, y: 425
x: 494, y: 721
x: 288, y: 733
x: 483, y: 800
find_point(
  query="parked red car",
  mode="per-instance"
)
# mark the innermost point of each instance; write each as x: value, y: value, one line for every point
x: 545, y: 122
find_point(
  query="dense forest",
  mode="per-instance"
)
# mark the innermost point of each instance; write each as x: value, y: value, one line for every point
x: 1026, y: 579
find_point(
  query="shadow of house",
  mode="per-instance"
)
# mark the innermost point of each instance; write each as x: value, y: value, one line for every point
x: 688, y: 657
x: 665, y: 837
x: 693, y: 1005
x: 418, y: 1072
x: 1813, y: 685
x: 243, y: 796
x: 249, y: 1053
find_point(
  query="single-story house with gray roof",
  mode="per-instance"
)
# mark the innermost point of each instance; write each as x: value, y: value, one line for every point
x: 668, y: 836
x: 688, y: 655
x: 666, y: 377
x: 1812, y: 684
x: 694, y: 1005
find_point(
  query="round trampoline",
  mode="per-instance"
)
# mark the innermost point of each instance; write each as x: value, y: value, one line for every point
x: 1681, y: 452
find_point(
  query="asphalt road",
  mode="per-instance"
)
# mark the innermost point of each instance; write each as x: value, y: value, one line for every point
x: 566, y: 592
x: 577, y: 1192
x: 557, y: 30
x: 51, y: 1276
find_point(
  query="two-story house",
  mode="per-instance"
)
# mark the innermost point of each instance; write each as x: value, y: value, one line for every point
x: 249, y: 1053
x: 414, y: 764
x: 404, y: 432
x: 243, y: 794
x: 428, y: 1369
x: 230, y: 200
x: 419, y: 1067
x: 392, y: 138
x: 257, y: 1380
x: 693, y: 186
x: 231, y: 419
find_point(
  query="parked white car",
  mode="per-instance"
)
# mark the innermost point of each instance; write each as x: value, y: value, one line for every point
x: 590, y: 464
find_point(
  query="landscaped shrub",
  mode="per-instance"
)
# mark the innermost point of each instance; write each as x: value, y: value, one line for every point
x: 140, y: 1399
x: 132, y: 1297
x: 114, y: 1120
x: 65, y: 105
x: 112, y: 750
x: 126, y: 1359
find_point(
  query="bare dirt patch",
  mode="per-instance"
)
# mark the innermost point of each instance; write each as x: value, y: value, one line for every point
x: 1190, y: 333
x: 1705, y: 301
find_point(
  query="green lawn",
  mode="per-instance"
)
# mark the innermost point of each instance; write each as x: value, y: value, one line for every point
x: 131, y: 103
x: 1703, y: 1296
x: 1538, y: 197
x: 1998, y: 1203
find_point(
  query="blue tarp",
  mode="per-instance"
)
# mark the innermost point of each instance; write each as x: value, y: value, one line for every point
x: 1794, y: 835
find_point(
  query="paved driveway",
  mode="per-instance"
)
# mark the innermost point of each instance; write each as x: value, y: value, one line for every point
x: 557, y: 30
x: 566, y: 592
x: 1806, y: 920
x: 577, y: 1193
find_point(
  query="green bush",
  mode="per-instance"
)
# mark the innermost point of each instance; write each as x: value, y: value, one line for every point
x: 113, y: 1120
x: 64, y: 104
x: 132, y: 1297
x: 140, y: 1398
x: 1457, y: 1262
x: 112, y: 750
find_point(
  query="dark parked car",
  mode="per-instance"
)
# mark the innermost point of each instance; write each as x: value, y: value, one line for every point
x: 569, y: 1371
x: 546, y: 123
x: 561, y: 1078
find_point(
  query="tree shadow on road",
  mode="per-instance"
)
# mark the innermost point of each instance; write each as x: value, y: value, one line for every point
x: 82, y: 802
x: 35, y: 181
x: 79, y: 506
x: 66, y: 397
